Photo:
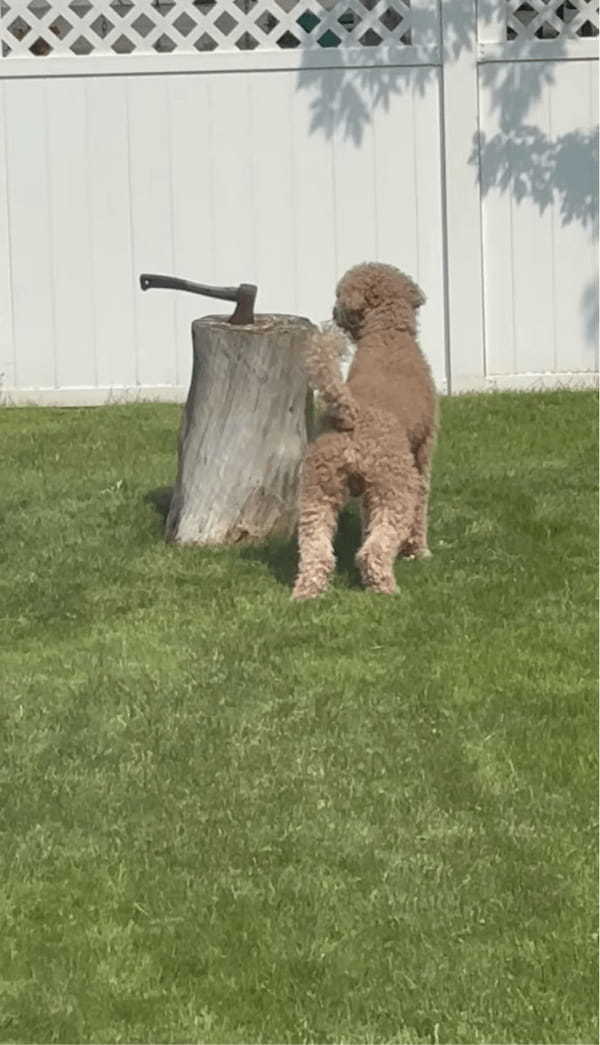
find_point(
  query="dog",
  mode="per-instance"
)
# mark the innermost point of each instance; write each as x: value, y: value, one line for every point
x: 378, y: 432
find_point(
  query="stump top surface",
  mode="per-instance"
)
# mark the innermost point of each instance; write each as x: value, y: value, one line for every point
x: 262, y: 323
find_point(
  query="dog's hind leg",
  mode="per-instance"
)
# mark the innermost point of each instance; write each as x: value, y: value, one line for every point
x: 388, y: 531
x: 416, y: 546
x: 388, y: 517
x: 323, y: 493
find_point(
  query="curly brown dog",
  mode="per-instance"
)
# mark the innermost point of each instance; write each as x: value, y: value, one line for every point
x: 378, y: 433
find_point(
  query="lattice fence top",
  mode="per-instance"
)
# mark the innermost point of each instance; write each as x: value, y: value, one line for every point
x: 81, y: 27
x: 550, y: 19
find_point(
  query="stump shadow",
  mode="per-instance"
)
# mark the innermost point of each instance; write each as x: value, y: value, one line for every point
x: 281, y: 556
x: 160, y: 499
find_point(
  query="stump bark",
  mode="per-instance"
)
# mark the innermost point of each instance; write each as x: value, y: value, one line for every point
x: 243, y: 432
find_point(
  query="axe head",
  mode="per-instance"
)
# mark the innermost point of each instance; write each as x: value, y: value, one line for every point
x: 244, y: 309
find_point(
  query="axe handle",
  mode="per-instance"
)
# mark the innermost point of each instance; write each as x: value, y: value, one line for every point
x: 148, y: 280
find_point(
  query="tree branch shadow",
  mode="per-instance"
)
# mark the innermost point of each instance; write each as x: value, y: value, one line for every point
x: 590, y: 309
x: 521, y: 158
x: 352, y: 85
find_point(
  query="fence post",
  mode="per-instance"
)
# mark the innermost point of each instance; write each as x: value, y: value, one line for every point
x: 7, y: 348
x: 464, y: 254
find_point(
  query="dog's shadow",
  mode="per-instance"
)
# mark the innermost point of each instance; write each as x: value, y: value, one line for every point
x: 281, y: 557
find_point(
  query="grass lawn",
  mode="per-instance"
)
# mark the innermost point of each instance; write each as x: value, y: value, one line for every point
x: 227, y: 817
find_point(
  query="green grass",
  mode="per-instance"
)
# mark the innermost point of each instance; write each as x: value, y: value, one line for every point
x: 227, y: 817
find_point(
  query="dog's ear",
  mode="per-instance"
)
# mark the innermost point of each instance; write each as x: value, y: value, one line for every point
x: 353, y: 299
x: 417, y: 297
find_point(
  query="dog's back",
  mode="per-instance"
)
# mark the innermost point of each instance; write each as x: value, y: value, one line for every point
x: 390, y: 373
x: 376, y: 305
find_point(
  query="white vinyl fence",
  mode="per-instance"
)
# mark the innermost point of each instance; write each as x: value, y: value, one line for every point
x: 278, y: 142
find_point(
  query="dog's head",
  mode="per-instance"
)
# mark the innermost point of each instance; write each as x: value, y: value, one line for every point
x: 370, y: 287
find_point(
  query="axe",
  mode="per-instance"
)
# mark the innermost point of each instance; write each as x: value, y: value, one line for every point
x: 244, y: 295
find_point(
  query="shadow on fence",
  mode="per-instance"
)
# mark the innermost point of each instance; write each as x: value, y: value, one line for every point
x: 520, y: 159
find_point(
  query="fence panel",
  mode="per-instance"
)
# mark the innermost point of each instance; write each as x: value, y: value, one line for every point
x: 538, y: 156
x: 279, y: 176
x: 279, y: 142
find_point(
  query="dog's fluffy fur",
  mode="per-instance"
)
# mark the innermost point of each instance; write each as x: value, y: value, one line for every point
x: 378, y: 433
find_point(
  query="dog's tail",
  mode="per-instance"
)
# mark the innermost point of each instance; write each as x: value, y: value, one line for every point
x: 323, y: 354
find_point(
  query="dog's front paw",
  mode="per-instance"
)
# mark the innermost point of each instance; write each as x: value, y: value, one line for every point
x: 344, y: 415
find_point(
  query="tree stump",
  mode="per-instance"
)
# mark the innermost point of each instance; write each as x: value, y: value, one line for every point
x: 243, y: 432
